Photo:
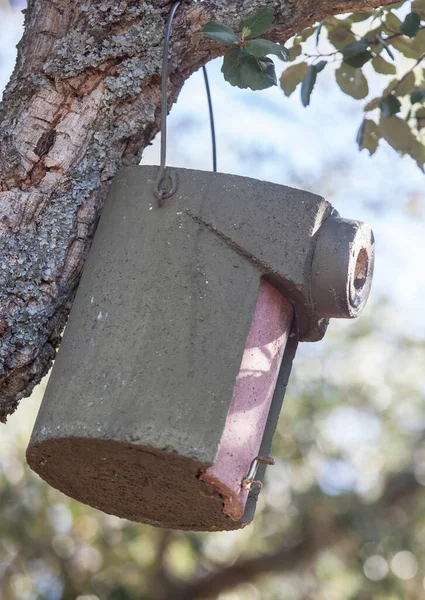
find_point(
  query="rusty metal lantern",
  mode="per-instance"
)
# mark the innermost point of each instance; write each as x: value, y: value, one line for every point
x: 170, y: 377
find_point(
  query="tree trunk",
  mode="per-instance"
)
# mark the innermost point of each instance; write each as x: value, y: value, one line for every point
x: 83, y: 100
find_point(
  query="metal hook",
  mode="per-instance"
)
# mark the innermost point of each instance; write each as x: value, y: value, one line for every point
x: 250, y: 480
x: 161, y: 192
x: 160, y: 189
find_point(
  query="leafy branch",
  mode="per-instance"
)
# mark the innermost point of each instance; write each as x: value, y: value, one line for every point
x: 246, y: 64
x: 378, y: 48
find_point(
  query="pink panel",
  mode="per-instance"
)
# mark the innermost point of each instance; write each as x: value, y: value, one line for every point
x: 252, y: 397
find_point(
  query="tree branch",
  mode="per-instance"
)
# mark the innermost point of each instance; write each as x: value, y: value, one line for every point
x: 84, y: 100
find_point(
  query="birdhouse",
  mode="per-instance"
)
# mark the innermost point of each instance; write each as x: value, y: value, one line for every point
x: 166, y: 390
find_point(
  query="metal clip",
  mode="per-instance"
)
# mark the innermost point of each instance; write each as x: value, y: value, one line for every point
x: 250, y: 480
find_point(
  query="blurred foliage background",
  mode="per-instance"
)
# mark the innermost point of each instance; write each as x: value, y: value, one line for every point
x: 342, y: 514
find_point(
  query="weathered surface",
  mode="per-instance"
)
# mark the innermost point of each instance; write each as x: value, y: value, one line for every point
x: 175, y: 342
x: 83, y: 100
x: 165, y: 321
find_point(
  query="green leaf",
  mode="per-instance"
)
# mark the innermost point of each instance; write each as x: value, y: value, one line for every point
x: 389, y: 105
x: 358, y: 60
x: 371, y: 137
x: 308, y: 85
x: 292, y: 76
x: 355, y: 48
x: 405, y: 85
x: 356, y: 53
x: 260, y: 22
x: 340, y: 36
x: 244, y: 70
x: 309, y: 81
x: 360, y: 133
x: 352, y: 81
x: 373, y: 34
x: 368, y: 136
x: 392, y: 22
x: 246, y: 32
x: 332, y: 21
x: 232, y: 62
x: 220, y: 33
x: 407, y: 47
x: 294, y: 52
x: 411, y: 24
x: 382, y: 66
x: 418, y: 6
x: 374, y: 103
x: 320, y: 65
x: 420, y: 118
x: 259, y: 73
x: 388, y: 51
x: 318, y: 30
x: 306, y: 33
x: 260, y: 47
x: 417, y: 96
x: 400, y: 137
x: 419, y: 42
x: 390, y: 86
x: 361, y: 16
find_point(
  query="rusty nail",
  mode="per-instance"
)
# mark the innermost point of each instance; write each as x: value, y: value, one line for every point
x: 249, y: 480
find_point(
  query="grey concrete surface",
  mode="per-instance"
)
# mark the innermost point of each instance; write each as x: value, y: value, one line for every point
x: 142, y: 384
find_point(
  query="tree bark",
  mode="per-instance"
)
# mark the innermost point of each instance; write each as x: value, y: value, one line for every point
x: 82, y: 101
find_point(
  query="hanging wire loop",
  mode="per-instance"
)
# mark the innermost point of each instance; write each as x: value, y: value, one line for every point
x: 211, y: 113
x: 166, y: 183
